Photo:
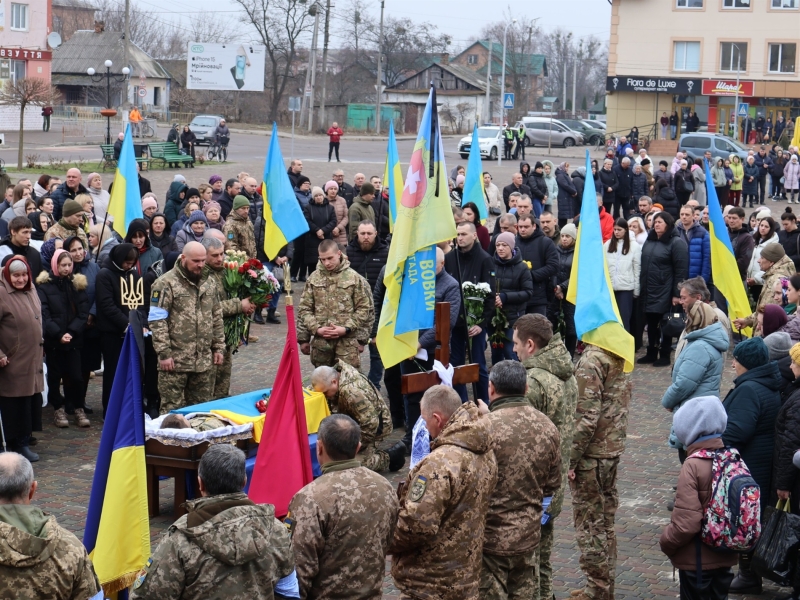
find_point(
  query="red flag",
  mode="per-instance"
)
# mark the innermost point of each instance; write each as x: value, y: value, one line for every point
x: 283, y: 464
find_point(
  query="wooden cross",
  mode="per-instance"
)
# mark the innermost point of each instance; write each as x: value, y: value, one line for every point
x: 419, y: 382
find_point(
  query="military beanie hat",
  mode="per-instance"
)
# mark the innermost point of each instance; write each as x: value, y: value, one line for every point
x: 240, y: 202
x: 71, y: 207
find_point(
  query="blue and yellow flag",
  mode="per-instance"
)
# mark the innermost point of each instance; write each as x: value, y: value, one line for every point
x: 597, y: 319
x: 424, y: 218
x: 117, y: 534
x: 724, y: 269
x: 473, y: 178
x: 283, y: 219
x: 392, y: 176
x: 125, y: 203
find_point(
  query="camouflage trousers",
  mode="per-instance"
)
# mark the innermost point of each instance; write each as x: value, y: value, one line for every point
x: 594, y: 505
x: 222, y: 376
x: 374, y: 459
x: 543, y: 584
x: 185, y: 389
x: 508, y: 577
x: 326, y: 352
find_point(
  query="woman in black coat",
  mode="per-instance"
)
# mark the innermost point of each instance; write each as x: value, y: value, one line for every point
x: 159, y: 235
x: 609, y: 183
x: 665, y: 263
x: 188, y: 139
x: 683, y: 183
x: 566, y: 194
x: 666, y: 197
x: 321, y: 219
x: 65, y: 311
x: 560, y: 309
x: 514, y: 288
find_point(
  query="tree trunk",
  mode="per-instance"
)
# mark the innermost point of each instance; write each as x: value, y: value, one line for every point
x: 20, y: 164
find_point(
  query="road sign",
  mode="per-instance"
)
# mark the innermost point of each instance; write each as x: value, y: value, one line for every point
x: 142, y: 92
x: 294, y: 103
x: 743, y: 106
x: 508, y: 100
x: 308, y: 90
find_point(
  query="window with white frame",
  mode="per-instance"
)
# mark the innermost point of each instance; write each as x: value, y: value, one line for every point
x: 782, y: 58
x: 785, y: 3
x: 686, y: 56
x: 735, y: 3
x: 472, y: 59
x: 733, y: 56
x: 19, y: 17
x: 689, y: 3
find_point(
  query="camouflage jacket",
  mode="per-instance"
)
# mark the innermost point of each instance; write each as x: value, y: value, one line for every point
x: 41, y: 559
x: 340, y: 297
x: 240, y: 235
x: 601, y: 417
x: 443, y: 505
x: 358, y: 399
x: 237, y: 550
x: 553, y: 390
x: 230, y: 306
x: 62, y: 231
x: 188, y: 328
x: 342, y: 524
x: 527, y: 450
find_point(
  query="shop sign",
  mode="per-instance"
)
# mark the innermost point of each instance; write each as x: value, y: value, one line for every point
x: 22, y: 54
x: 727, y: 87
x: 636, y: 83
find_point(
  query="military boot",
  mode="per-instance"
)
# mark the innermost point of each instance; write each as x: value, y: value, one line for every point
x: 650, y: 357
x: 60, y: 418
x: 80, y: 418
x: 397, y: 456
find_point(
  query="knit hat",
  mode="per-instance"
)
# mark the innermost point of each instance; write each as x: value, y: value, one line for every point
x: 751, y: 353
x: 538, y: 165
x: 570, y: 230
x: 329, y: 184
x: 774, y: 318
x: 779, y: 345
x: 460, y: 180
x: 507, y: 238
x: 209, y: 205
x: 192, y: 193
x: 197, y: 215
x: 645, y: 162
x: 699, y: 417
x: 773, y: 252
x: 212, y: 180
x: 763, y: 213
x: 318, y: 190
x: 73, y: 207
x: 240, y: 202
x: 149, y: 202
x: 302, y: 179
x: 366, y: 188
x: 794, y: 352
x: 182, y: 179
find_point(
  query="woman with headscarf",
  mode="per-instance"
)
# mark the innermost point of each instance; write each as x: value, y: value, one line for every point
x: 770, y: 319
x: 39, y: 225
x: 21, y: 372
x: 192, y: 231
x: 159, y: 237
x: 65, y: 313
x: 139, y: 236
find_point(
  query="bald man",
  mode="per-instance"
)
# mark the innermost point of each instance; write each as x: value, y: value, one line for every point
x: 188, y: 336
x: 67, y: 191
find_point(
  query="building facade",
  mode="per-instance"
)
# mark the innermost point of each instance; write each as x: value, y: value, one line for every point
x: 685, y: 56
x: 24, y: 26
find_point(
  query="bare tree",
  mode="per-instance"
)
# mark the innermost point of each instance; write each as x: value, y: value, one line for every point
x: 28, y: 91
x: 156, y: 37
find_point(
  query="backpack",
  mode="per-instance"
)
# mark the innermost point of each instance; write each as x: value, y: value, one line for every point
x: 732, y: 519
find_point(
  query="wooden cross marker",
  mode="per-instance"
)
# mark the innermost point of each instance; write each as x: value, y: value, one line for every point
x: 419, y: 382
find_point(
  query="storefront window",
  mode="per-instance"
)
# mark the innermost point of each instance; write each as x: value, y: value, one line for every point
x: 781, y: 58
x: 733, y: 56
x: 687, y: 56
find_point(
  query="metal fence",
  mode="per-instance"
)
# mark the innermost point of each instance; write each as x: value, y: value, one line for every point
x: 86, y: 130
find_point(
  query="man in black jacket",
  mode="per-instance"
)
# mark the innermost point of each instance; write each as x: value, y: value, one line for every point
x: 516, y: 186
x: 538, y: 250
x: 67, y: 191
x: 764, y: 164
x: 469, y: 262
x: 232, y: 189
x: 18, y: 243
x: 294, y: 171
x: 741, y: 240
x: 624, y: 191
x: 789, y: 237
x: 250, y: 191
x: 380, y: 206
x: 345, y: 189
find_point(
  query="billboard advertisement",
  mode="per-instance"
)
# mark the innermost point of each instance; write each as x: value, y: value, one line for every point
x: 234, y: 66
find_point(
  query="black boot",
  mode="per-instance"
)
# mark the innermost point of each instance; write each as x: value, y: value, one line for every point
x: 650, y: 357
x: 663, y: 361
x: 271, y: 318
x: 746, y: 582
x: 258, y: 318
x: 28, y: 453
x: 397, y: 456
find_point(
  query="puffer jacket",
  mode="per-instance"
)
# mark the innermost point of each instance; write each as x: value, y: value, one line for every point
x: 698, y: 369
x: 790, y: 240
x: 368, y: 263
x: 750, y: 188
x: 579, y: 181
x: 665, y: 263
x: 752, y: 406
x: 738, y: 173
x: 791, y: 175
x: 514, y: 285
x: 698, y: 241
x: 718, y: 177
x: 172, y: 206
x: 792, y: 327
x: 539, y: 251
x: 753, y: 269
x: 65, y: 309
x: 624, y: 269
x: 678, y: 540
x: 669, y: 200
x: 538, y: 186
x: 608, y: 179
x: 319, y: 217
x: 566, y: 194
x: 562, y: 276
x: 639, y: 186
x: 787, y: 441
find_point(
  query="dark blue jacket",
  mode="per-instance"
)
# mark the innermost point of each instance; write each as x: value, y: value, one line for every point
x: 699, y: 242
x: 61, y: 194
x: 750, y: 188
x: 764, y: 164
x: 752, y: 406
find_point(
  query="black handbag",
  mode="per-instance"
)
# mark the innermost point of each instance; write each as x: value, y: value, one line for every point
x: 673, y: 323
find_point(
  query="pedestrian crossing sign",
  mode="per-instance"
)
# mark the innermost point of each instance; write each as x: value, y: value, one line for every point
x: 508, y: 100
x: 743, y: 106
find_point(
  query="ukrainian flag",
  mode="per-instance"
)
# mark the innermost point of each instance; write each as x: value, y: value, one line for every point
x: 392, y: 177
x: 424, y: 218
x: 283, y: 219
x: 473, y: 178
x: 597, y: 319
x: 125, y: 203
x: 724, y: 269
x: 117, y: 534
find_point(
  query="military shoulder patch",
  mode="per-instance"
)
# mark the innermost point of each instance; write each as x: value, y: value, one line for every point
x: 230, y: 235
x: 289, y: 523
x: 155, y: 296
x: 417, y: 490
x: 142, y: 575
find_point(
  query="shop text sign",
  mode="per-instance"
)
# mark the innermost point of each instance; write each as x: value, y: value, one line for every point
x: 22, y: 54
x: 724, y: 87
x: 669, y: 85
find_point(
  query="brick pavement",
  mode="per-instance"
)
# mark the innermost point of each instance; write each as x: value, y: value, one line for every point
x: 647, y: 473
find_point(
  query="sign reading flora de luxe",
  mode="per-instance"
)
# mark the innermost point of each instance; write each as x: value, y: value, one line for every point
x: 639, y: 83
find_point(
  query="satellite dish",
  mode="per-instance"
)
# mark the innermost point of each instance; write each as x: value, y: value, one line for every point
x: 54, y: 40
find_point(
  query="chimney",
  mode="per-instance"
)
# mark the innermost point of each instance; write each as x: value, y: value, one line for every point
x: 99, y: 26
x: 445, y: 60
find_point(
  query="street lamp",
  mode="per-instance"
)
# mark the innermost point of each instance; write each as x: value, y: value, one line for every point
x: 108, y: 76
x: 502, y: 84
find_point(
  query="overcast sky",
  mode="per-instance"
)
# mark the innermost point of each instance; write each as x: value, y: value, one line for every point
x: 461, y: 19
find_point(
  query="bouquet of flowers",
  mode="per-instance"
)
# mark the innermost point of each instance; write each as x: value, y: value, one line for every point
x: 245, y: 278
x: 499, y: 323
x: 474, y: 297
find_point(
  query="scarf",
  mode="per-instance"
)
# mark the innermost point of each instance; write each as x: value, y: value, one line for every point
x: 700, y: 316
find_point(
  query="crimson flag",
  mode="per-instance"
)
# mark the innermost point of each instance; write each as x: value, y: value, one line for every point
x: 283, y: 463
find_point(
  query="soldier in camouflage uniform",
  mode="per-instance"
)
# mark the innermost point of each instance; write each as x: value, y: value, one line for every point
x: 601, y: 421
x: 238, y: 230
x: 71, y: 223
x: 552, y: 390
x: 224, y: 547
x: 436, y: 551
x: 343, y: 522
x: 214, y: 273
x: 336, y: 310
x: 186, y: 321
x: 38, y: 557
x: 527, y: 449
x: 350, y: 392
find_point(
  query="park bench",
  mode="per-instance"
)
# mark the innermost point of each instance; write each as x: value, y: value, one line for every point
x: 169, y: 154
x: 108, y: 159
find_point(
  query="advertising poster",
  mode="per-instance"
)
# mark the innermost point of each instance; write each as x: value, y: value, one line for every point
x: 234, y: 66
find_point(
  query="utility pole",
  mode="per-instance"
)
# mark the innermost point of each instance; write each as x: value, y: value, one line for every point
x: 313, y: 66
x: 126, y: 43
x: 307, y: 86
x: 488, y: 108
x: 575, y: 77
x: 322, y: 121
x: 379, y: 86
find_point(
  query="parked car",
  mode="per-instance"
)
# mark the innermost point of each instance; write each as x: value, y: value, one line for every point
x: 595, y: 123
x: 592, y: 135
x: 490, y: 138
x: 541, y: 131
x: 696, y: 143
x: 203, y: 127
